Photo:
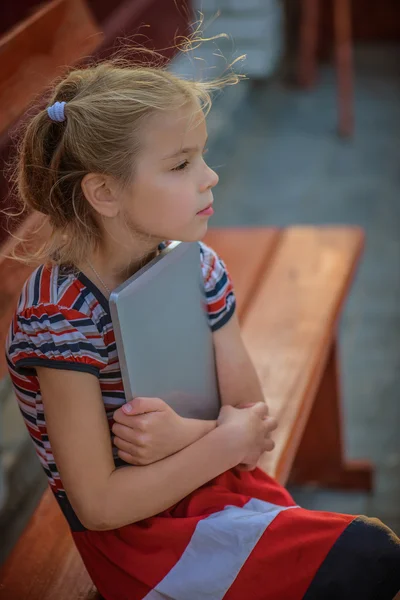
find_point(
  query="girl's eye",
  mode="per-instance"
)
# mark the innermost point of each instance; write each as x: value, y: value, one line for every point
x: 182, y: 166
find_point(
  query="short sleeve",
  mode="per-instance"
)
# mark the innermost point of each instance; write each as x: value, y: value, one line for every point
x: 221, y: 302
x: 51, y: 336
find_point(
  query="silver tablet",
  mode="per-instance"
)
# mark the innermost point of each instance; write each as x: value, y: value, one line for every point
x: 163, y: 338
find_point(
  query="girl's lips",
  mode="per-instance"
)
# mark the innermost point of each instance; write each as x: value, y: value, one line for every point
x: 207, y: 212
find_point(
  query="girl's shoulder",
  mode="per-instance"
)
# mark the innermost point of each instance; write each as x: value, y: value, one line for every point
x: 56, y: 286
x: 58, y: 323
x: 213, y: 267
x: 218, y: 288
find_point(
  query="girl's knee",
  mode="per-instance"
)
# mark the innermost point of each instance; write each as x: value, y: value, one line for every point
x: 363, y: 563
x: 378, y: 544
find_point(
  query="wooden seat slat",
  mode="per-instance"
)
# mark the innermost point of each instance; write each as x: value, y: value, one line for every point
x: 45, y: 560
x: 292, y: 323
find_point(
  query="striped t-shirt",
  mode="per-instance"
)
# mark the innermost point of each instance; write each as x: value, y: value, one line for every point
x: 63, y: 321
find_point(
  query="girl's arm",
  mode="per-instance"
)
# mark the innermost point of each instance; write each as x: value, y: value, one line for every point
x: 143, y: 426
x: 147, y: 430
x: 238, y: 381
x: 104, y: 497
x: 237, y: 378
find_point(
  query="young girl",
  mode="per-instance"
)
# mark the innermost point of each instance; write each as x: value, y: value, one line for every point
x: 170, y: 507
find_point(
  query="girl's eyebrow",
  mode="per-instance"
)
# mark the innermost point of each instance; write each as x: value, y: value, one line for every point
x: 185, y: 151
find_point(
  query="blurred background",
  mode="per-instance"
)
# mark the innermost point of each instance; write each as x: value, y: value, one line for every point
x: 310, y: 136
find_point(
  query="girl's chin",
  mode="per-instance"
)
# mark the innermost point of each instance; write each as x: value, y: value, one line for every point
x: 194, y: 234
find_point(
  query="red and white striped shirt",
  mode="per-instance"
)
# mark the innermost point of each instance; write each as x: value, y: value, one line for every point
x: 63, y: 321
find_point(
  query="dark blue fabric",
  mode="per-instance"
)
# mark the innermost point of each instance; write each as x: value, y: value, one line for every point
x: 27, y: 366
x: 363, y: 564
x: 69, y: 512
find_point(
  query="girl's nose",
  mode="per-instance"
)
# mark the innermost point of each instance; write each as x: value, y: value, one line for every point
x: 210, y: 180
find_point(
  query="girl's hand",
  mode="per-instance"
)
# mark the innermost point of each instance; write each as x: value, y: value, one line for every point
x: 147, y: 430
x: 253, y: 427
x: 271, y: 445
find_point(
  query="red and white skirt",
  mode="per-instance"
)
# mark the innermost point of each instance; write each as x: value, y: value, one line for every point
x: 242, y: 537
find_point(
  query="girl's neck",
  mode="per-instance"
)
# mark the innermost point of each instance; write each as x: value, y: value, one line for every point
x: 112, y: 263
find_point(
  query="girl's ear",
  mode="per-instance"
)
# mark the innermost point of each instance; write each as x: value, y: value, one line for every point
x: 99, y: 191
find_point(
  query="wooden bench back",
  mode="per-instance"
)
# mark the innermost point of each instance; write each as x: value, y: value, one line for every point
x: 39, y: 49
x: 290, y: 287
x: 36, y: 35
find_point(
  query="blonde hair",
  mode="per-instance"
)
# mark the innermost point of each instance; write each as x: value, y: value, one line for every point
x: 106, y: 105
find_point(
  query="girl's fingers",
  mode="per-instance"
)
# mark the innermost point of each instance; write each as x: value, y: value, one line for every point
x: 247, y: 467
x: 261, y: 409
x: 269, y: 445
x: 140, y: 406
x: 128, y: 458
x: 124, y: 446
x: 249, y: 405
x: 271, y: 423
x: 129, y: 434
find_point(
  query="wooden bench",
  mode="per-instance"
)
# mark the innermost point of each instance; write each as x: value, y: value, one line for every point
x: 291, y: 285
x: 39, y: 49
x: 34, y: 52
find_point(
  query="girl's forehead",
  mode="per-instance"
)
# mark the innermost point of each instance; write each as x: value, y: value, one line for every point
x: 166, y: 132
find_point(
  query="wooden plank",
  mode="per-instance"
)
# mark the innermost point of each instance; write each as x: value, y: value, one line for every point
x: 291, y: 324
x: 308, y: 43
x: 246, y: 252
x: 342, y: 12
x: 35, y: 35
x: 320, y: 457
x: 45, y: 563
x: 40, y: 49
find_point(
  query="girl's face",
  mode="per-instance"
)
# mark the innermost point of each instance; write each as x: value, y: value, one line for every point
x: 171, y: 195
